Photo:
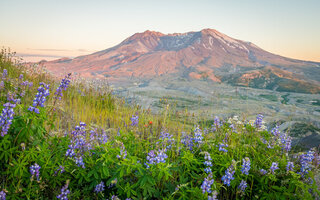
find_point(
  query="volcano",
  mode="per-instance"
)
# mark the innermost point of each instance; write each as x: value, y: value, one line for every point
x: 206, y: 55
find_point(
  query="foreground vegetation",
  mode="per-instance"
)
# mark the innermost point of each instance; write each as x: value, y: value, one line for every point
x: 70, y: 140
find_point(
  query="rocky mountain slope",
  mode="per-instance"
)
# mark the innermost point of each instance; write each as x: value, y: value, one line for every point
x: 206, y: 55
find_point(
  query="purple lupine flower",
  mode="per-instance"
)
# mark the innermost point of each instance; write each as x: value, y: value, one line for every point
x: 198, y: 135
x: 187, y: 141
x: 155, y: 157
x: 24, y: 83
x: 6, y: 118
x: 290, y: 166
x: 13, y: 98
x: 205, y: 131
x: 4, y: 74
x: 64, y: 193
x: 222, y: 147
x: 228, y: 177
x: 258, y: 122
x: 2, y: 195
x: 60, y: 170
x: 243, y: 185
x: 21, y: 76
x: 285, y: 142
x: 1, y: 85
x: 167, y: 139
x: 207, y: 162
x: 151, y: 158
x: 214, y: 196
x: 206, y: 184
x: 123, y: 152
x: 232, y: 126
x: 99, y: 187
x: 274, y: 166
x: 263, y: 171
x: 162, y: 156
x: 79, y: 162
x: 63, y: 86
x: 103, y: 138
x: 80, y: 143
x: 114, y: 197
x: 70, y: 152
x: 34, y: 170
x: 216, y: 124
x: 134, y: 120
x: 245, y: 166
x: 43, y: 92
x: 275, y: 131
x: 305, y: 160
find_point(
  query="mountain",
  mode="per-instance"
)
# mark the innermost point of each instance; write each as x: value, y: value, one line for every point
x: 206, y: 55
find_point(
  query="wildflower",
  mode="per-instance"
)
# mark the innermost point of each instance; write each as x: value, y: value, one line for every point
x: 187, y: 141
x: 2, y: 195
x: 246, y: 166
x: 21, y: 76
x: 258, y: 122
x: 206, y: 184
x: 34, y: 170
x: 275, y: 131
x: 150, y: 122
x: 290, y: 166
x: 305, y: 161
x: 228, y: 177
x: 6, y: 118
x: 70, y: 152
x: 216, y: 124
x: 151, y: 158
x: 134, y: 120
x: 167, y: 139
x: 43, y: 92
x: 198, y: 135
x: 205, y: 131
x: 207, y: 162
x: 79, y: 162
x: 63, y: 86
x: 214, y: 196
x: 243, y: 185
x: 13, y: 98
x: 274, y: 166
x: 64, y: 193
x: 103, y: 138
x: 155, y: 157
x: 4, y: 73
x: 99, y: 187
x: 1, y: 85
x: 285, y: 142
x: 222, y: 147
x: 123, y: 152
x: 162, y: 156
x: 114, y: 197
x: 263, y: 171
x: 59, y: 170
x: 233, y: 128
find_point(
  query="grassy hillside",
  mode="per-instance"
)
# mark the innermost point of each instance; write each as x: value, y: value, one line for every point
x: 69, y: 139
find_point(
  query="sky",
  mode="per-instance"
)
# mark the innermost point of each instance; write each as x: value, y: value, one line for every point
x: 37, y: 29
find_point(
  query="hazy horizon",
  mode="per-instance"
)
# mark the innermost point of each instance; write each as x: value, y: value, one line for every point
x: 44, y: 29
